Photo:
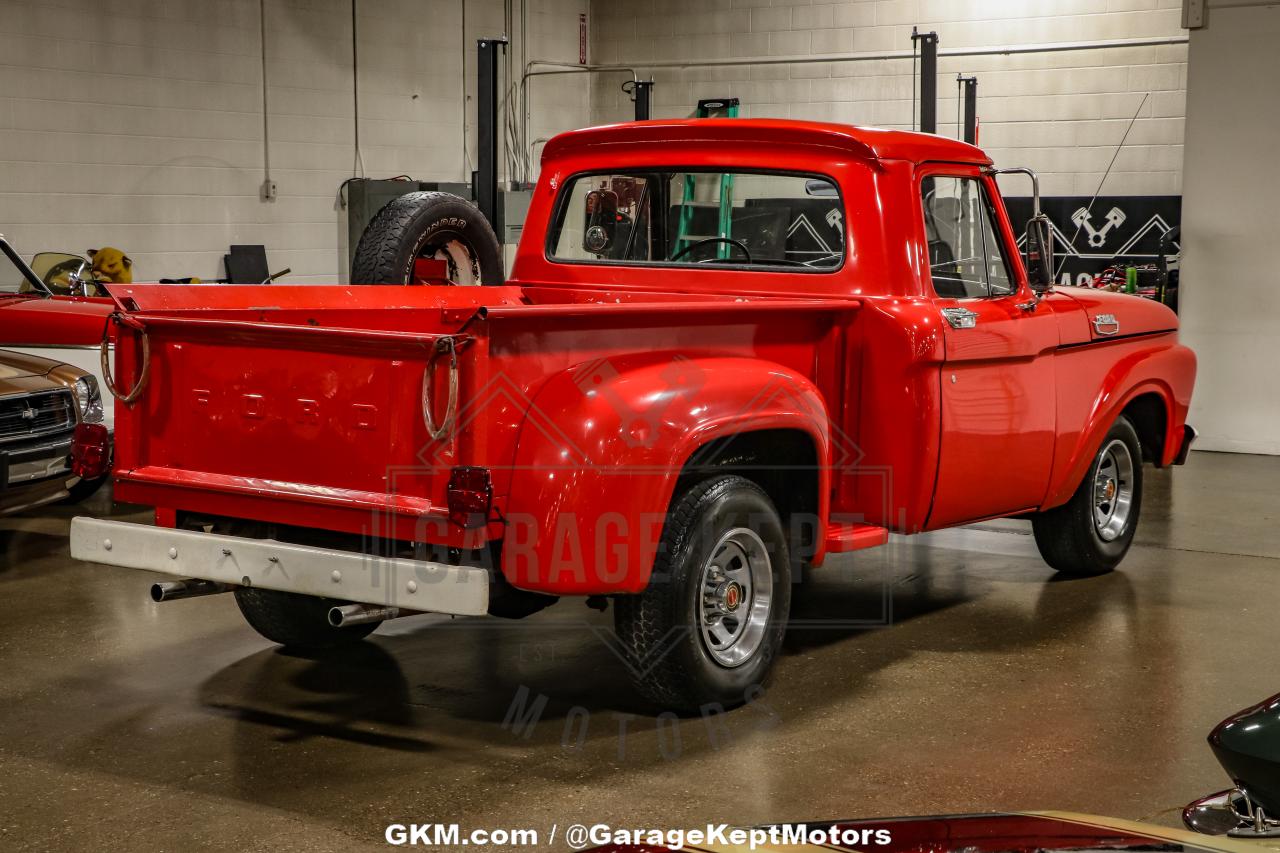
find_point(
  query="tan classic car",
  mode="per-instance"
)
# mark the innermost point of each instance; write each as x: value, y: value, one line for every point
x: 41, y: 401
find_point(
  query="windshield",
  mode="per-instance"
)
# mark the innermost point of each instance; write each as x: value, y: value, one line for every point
x: 12, y: 279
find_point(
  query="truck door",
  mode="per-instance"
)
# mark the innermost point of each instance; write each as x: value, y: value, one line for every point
x: 998, y: 395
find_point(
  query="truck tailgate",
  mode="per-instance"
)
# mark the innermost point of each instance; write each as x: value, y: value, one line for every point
x: 252, y: 401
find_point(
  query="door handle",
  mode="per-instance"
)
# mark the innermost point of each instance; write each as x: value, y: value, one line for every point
x: 960, y: 318
x: 1029, y: 306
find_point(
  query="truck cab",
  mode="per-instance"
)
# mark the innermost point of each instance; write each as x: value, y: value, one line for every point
x: 726, y: 349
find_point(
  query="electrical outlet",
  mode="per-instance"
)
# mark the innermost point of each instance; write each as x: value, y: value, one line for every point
x: 268, y: 190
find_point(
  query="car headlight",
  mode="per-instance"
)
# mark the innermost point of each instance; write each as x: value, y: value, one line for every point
x: 89, y: 399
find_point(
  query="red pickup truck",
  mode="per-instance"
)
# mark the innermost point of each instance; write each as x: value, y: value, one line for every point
x: 726, y: 350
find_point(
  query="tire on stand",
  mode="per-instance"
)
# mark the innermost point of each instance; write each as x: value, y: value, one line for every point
x: 430, y: 225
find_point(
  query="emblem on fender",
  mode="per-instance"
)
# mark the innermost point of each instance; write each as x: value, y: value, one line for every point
x: 1106, y: 324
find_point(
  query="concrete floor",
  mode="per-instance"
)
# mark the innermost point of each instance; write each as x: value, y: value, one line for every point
x: 946, y: 673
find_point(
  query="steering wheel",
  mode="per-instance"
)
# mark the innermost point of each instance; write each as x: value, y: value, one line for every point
x: 737, y: 244
x: 59, y: 276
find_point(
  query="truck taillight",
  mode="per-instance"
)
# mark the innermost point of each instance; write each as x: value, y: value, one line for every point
x: 470, y: 496
x: 90, y: 451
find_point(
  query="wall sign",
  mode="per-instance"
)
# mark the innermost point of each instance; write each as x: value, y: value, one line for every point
x: 1116, y: 230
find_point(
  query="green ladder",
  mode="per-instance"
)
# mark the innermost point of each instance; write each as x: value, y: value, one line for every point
x: 709, y: 108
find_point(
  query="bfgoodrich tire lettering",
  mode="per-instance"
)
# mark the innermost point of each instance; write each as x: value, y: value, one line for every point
x: 428, y: 224
x: 660, y: 628
x: 1082, y: 537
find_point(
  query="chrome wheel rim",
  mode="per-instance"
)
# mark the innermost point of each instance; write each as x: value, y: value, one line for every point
x: 1113, y: 490
x: 461, y: 261
x: 735, y: 593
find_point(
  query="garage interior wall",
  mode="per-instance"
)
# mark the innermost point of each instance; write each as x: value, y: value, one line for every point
x: 139, y: 123
x: 1062, y: 114
x: 1230, y: 295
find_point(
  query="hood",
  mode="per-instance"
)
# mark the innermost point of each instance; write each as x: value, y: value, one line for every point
x: 1118, y: 315
x: 53, y: 321
x: 16, y: 365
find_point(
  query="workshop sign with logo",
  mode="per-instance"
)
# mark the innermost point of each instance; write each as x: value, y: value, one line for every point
x: 1112, y: 231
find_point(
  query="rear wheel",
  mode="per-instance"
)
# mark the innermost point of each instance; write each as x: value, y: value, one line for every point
x: 432, y: 226
x: 1091, y: 533
x: 297, y: 621
x: 709, y: 626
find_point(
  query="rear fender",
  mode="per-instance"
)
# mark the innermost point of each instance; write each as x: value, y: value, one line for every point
x: 602, y: 446
x: 1168, y: 371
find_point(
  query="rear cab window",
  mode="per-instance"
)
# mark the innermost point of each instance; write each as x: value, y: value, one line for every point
x: 751, y: 220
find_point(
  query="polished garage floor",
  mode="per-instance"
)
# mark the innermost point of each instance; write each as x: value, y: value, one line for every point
x: 950, y: 674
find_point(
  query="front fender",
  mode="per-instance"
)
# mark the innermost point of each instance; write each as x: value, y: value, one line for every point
x: 601, y: 448
x: 1152, y: 366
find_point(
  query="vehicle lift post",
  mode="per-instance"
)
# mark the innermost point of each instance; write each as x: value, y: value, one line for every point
x: 928, y: 45
x: 642, y: 96
x: 969, y: 91
x: 484, y: 182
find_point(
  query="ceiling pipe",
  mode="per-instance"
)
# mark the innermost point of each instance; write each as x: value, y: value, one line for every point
x: 1000, y: 50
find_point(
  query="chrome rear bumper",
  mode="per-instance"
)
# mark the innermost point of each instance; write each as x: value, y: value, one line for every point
x: 393, y: 582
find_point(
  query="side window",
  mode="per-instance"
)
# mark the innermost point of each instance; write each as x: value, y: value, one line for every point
x: 740, y: 219
x: 965, y: 257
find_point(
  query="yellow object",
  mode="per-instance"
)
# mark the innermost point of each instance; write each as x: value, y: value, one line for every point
x: 111, y: 265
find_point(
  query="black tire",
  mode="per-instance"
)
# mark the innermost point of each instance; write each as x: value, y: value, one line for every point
x: 415, y: 225
x: 297, y: 621
x: 1068, y: 537
x: 84, y: 490
x: 659, y: 628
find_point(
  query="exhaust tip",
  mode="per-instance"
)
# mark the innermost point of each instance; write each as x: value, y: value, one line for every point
x: 189, y: 588
x: 348, y: 615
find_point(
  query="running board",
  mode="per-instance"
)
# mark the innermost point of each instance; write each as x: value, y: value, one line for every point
x: 843, y: 537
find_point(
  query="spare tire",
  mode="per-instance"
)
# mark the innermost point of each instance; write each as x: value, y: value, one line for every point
x: 428, y: 225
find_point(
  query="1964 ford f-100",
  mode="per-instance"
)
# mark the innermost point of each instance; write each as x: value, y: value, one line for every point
x: 726, y: 349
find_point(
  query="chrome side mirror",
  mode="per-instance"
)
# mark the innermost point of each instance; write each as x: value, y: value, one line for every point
x: 1038, y: 253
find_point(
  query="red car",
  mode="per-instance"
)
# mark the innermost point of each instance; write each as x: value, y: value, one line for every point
x: 56, y: 324
x: 726, y: 350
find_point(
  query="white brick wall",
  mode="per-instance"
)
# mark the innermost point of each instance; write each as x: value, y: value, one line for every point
x: 138, y: 123
x: 1060, y: 113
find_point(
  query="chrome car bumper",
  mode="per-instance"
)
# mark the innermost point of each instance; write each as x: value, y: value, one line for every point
x: 418, y: 585
x: 31, y: 462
